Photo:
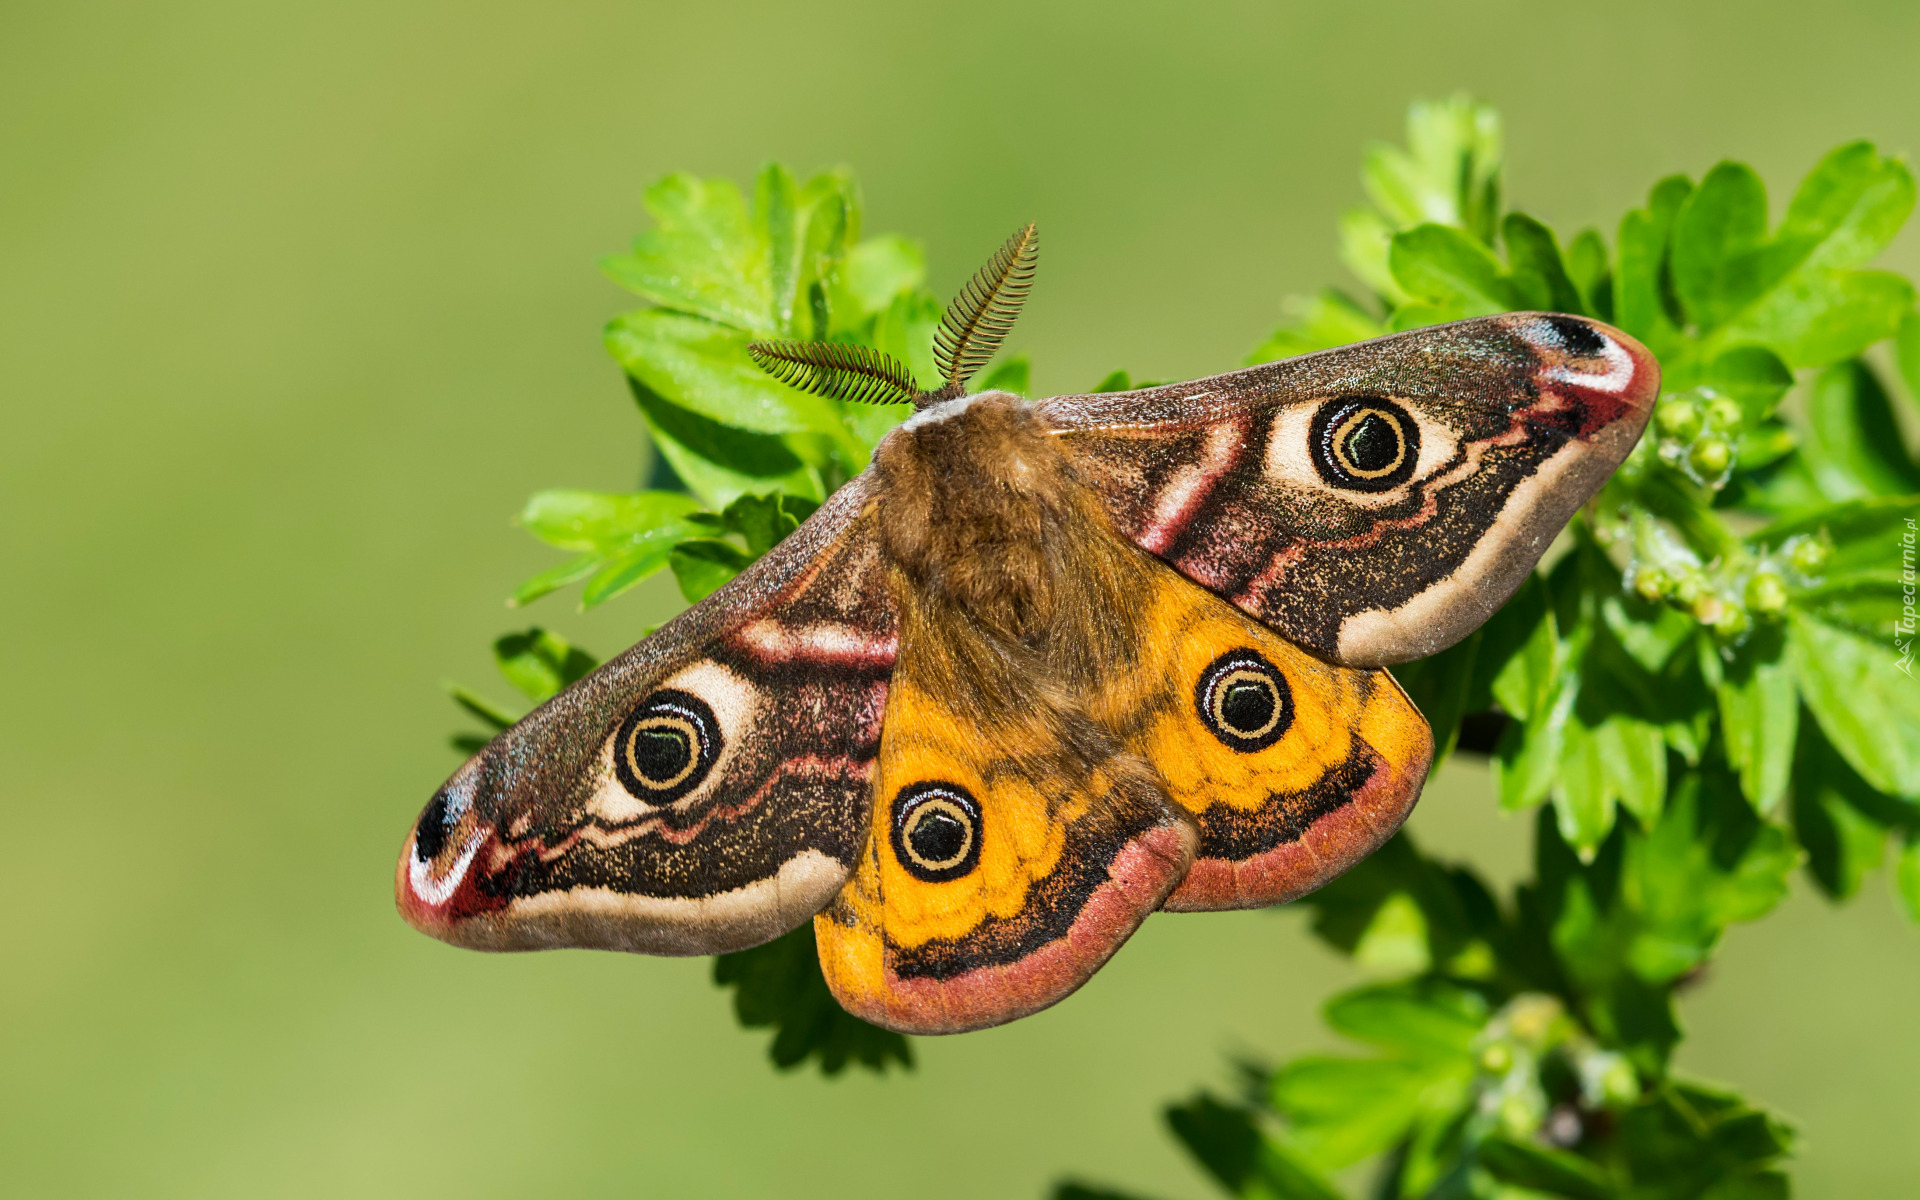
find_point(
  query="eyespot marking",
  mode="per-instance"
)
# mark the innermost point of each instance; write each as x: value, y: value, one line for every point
x: 1244, y: 701
x: 666, y: 746
x: 936, y: 831
x: 1364, y: 443
x: 430, y: 835
x: 1577, y: 337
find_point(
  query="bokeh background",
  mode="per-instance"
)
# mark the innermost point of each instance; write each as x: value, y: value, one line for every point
x: 297, y: 304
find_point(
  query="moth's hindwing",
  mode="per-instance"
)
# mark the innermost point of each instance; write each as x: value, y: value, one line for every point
x: 705, y: 791
x: 1375, y: 503
x: 1293, y: 768
x: 1013, y: 847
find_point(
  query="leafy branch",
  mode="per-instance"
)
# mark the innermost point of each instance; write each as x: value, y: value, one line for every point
x: 1699, y: 692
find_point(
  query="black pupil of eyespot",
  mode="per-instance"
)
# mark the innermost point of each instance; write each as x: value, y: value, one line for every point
x: 1247, y: 705
x: 661, y: 754
x: 938, y: 837
x: 430, y: 836
x: 1373, y: 444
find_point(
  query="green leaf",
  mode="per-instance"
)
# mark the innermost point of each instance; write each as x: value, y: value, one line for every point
x: 874, y: 274
x: 1759, y: 713
x: 1853, y: 444
x: 1366, y: 240
x: 1523, y: 646
x: 554, y: 578
x: 1796, y: 292
x: 1417, y: 1021
x: 1584, y: 797
x: 1839, y: 818
x: 1544, y: 1169
x: 1866, y: 705
x: 1531, y: 752
x: 1538, y: 273
x: 1651, y: 906
x: 624, y: 538
x: 1283, y: 1175
x: 1222, y: 1138
x: 717, y: 462
x: 776, y: 210
x: 704, y: 258
x: 1318, y: 322
x: 495, y: 717
x: 1907, y: 353
x: 1683, y: 1140
x: 806, y: 230
x: 1849, y: 207
x: 1719, y: 267
x: 779, y: 986
x: 1341, y: 1110
x: 605, y: 522
x: 1442, y: 688
x: 762, y: 521
x: 1753, y: 376
x: 705, y: 369
x: 905, y: 330
x: 1452, y: 271
x: 1630, y: 759
x: 539, y: 662
x: 1818, y: 317
x: 622, y: 571
x: 1639, y: 290
x: 1906, y: 875
x: 1706, y: 865
x: 1587, y: 267
x: 1072, y: 1189
x: 1117, y: 381
x: 703, y: 565
x: 1449, y: 173
x: 1865, y: 536
x: 1014, y: 375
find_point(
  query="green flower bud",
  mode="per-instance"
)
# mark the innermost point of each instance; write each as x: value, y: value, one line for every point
x: 1651, y: 583
x: 1724, y: 414
x: 1678, y: 418
x: 1497, y: 1059
x: 1710, y: 456
x: 1730, y: 620
x: 1766, y: 593
x: 1808, y: 556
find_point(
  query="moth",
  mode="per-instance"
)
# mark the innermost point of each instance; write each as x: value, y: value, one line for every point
x: 1043, y: 668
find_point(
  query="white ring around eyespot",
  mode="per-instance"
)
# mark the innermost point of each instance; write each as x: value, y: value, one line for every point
x: 1289, y: 458
x: 735, y: 703
x: 934, y: 802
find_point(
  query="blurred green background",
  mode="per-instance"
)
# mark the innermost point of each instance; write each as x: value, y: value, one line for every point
x: 298, y: 303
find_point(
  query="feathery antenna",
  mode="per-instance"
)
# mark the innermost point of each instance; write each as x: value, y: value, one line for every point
x: 971, y: 330
x: 837, y: 371
x: 979, y: 318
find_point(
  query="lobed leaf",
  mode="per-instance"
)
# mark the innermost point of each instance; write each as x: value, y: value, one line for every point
x: 779, y: 986
x: 1865, y: 705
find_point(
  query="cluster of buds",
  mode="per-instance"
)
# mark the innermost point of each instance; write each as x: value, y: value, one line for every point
x: 1513, y: 1054
x: 1699, y: 432
x: 1727, y: 594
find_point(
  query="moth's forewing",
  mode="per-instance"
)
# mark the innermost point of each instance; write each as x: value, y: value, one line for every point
x: 705, y: 791
x: 1378, y: 502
